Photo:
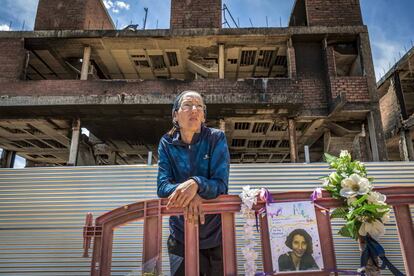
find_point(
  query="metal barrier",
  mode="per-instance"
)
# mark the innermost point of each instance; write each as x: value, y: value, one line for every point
x: 152, y: 211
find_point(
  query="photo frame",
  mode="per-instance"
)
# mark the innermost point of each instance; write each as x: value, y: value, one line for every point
x: 294, y: 237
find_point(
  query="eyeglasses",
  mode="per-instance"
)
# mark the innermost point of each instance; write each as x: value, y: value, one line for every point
x: 189, y: 106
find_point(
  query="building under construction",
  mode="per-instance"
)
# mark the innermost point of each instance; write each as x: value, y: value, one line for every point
x: 274, y: 91
x: 396, y: 90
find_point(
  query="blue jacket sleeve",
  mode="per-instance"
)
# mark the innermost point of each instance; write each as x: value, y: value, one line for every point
x: 165, y: 180
x: 217, y: 184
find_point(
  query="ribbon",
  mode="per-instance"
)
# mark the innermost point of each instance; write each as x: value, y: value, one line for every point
x: 373, y: 250
x: 317, y: 193
x: 265, y: 196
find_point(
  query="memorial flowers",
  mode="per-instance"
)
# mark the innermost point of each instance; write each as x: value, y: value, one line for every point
x: 364, y: 210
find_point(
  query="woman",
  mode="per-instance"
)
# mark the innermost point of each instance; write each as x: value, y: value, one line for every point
x: 193, y: 165
x: 300, y: 258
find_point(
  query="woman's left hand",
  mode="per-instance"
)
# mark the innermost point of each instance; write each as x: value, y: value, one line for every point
x: 194, y: 212
x: 183, y: 194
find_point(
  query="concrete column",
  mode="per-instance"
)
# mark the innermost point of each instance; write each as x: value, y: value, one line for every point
x: 402, y: 145
x: 221, y: 61
x: 85, y: 62
x: 222, y: 125
x: 409, y: 142
x: 291, y: 60
x: 293, y: 141
x: 74, y: 145
x: 7, y: 159
x: 374, y: 120
x: 373, y: 137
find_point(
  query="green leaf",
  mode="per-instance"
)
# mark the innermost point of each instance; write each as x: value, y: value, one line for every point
x: 339, y: 212
x: 344, y: 232
x: 359, y: 200
x: 329, y: 158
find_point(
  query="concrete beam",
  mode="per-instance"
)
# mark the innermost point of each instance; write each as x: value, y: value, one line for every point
x: 201, y: 70
x: 75, y: 92
x: 288, y: 31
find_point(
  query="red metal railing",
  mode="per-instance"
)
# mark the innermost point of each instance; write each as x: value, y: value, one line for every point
x: 152, y: 211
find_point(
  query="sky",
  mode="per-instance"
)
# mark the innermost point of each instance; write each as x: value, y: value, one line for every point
x: 390, y: 22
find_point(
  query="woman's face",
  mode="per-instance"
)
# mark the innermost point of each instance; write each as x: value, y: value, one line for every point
x: 299, y: 245
x: 190, y: 115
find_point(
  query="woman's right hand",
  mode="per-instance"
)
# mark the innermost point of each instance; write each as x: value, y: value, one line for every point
x: 183, y: 194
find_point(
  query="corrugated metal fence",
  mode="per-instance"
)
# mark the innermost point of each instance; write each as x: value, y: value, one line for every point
x: 42, y: 212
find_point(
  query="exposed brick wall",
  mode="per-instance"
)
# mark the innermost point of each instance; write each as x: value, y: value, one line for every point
x: 96, y: 16
x: 12, y: 58
x: 333, y: 12
x: 330, y: 61
x: 355, y: 88
x: 71, y: 15
x: 390, y: 113
x: 195, y: 14
x: 314, y: 93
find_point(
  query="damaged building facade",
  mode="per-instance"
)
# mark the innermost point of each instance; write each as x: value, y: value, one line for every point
x: 274, y: 91
x: 396, y: 91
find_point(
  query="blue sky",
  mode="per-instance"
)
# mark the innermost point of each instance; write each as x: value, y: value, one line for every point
x: 390, y: 22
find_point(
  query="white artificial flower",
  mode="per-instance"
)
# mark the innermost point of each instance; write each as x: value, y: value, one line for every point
x: 375, y: 229
x: 386, y: 217
x: 354, y: 185
x: 325, y: 182
x: 344, y: 153
x: 376, y: 198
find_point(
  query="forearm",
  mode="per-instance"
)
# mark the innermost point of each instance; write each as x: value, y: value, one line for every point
x: 210, y: 188
x: 165, y: 189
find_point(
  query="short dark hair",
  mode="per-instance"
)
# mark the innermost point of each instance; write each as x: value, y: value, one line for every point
x: 305, y: 235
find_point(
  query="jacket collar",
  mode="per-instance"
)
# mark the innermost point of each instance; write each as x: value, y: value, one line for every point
x: 176, y: 139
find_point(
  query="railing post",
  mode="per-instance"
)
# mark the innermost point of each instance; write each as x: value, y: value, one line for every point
x: 229, y: 244
x: 106, y: 250
x: 325, y: 238
x: 191, y: 243
x: 266, y: 250
x: 405, y: 235
x: 152, y: 244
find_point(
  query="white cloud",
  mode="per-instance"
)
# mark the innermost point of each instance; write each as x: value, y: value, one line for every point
x: 385, y: 54
x: 108, y: 4
x: 4, y: 27
x: 116, y: 6
x: 122, y: 5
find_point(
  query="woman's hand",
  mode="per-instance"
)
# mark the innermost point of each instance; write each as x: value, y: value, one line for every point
x: 183, y: 194
x: 194, y: 211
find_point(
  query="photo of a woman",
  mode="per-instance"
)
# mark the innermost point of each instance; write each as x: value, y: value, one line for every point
x: 300, y: 258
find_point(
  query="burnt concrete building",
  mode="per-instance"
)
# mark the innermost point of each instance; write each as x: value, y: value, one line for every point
x: 274, y: 91
x: 396, y: 91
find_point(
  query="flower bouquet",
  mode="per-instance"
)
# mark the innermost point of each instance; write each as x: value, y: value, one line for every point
x: 364, y: 210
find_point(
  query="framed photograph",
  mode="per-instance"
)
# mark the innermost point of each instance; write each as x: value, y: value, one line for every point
x: 294, y: 237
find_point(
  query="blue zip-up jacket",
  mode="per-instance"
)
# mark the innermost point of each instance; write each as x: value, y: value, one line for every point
x: 206, y: 160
